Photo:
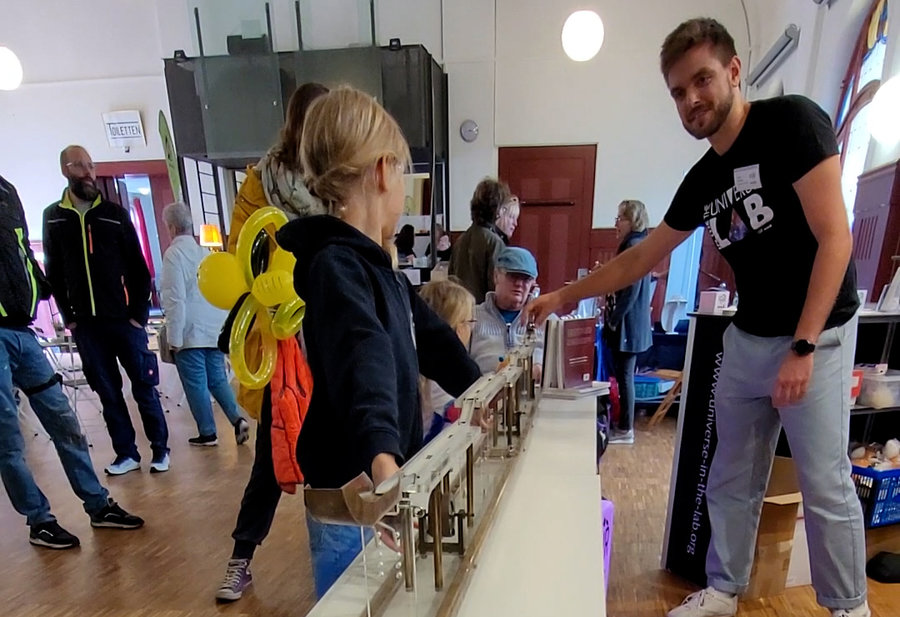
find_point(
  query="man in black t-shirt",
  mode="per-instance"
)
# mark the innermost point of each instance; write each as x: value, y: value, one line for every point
x: 768, y: 192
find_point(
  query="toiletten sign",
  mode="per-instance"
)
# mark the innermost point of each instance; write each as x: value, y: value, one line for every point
x: 124, y: 129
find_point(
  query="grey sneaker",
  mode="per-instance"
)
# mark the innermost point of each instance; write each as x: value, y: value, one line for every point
x: 623, y: 437
x: 122, y: 465
x: 237, y: 579
x: 241, y: 431
x: 707, y: 602
x: 860, y: 611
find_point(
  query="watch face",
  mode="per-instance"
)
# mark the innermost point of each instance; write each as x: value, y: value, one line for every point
x: 803, y: 347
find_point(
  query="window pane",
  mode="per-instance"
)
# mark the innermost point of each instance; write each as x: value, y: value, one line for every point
x: 855, y: 158
x: 873, y: 64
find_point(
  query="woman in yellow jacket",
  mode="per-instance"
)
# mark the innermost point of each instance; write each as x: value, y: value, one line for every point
x: 277, y: 180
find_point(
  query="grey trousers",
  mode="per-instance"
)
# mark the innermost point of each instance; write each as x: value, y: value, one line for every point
x: 817, y: 429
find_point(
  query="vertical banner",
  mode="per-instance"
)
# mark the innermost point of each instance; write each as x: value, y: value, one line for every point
x: 689, y: 528
x: 171, y: 159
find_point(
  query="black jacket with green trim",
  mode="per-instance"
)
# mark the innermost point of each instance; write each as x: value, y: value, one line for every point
x: 94, y: 262
x: 22, y: 282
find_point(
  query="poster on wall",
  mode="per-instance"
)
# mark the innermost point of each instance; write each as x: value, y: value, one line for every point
x: 688, y: 537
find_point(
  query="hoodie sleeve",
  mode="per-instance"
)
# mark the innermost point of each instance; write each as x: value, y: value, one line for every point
x: 355, y: 352
x: 137, y: 277
x: 34, y: 267
x: 442, y: 357
x: 53, y: 258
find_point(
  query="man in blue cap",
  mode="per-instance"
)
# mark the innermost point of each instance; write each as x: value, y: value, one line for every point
x: 499, y: 324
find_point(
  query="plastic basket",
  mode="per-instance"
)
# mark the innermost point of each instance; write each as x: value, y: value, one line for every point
x: 646, y: 386
x: 879, y: 493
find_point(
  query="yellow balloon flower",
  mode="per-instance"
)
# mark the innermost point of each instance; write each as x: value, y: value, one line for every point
x: 272, y: 301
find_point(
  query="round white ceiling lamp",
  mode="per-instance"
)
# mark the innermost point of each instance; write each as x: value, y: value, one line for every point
x: 582, y: 35
x: 884, y: 121
x: 10, y: 69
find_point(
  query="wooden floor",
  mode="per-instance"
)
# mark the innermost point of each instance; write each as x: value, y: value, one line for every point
x: 172, y: 567
x: 636, y: 479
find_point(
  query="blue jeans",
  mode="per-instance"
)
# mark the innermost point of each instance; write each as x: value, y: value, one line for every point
x: 202, y: 371
x: 23, y: 365
x: 102, y: 345
x: 332, y: 549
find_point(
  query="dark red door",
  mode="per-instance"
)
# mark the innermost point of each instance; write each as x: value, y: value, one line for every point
x: 555, y: 185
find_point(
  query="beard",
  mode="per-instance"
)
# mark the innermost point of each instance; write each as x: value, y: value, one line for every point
x: 720, y: 114
x: 84, y: 188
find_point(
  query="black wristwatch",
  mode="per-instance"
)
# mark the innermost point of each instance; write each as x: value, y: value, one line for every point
x: 802, y: 347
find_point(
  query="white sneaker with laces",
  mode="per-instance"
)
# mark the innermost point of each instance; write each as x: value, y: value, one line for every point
x: 860, y: 611
x: 122, y: 465
x: 707, y: 602
x: 160, y: 464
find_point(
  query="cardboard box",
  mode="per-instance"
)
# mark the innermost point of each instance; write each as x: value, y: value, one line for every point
x: 775, y: 538
x: 713, y: 302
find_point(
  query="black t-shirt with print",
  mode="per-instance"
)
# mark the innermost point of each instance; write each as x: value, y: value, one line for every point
x: 747, y: 201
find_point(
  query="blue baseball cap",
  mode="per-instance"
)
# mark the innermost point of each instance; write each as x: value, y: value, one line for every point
x: 517, y: 260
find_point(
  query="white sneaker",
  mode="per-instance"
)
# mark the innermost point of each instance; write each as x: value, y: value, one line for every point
x: 241, y: 431
x: 122, y: 465
x: 160, y: 464
x: 707, y: 602
x: 860, y: 611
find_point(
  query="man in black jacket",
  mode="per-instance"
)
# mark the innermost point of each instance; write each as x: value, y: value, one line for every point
x: 102, y: 286
x: 24, y: 366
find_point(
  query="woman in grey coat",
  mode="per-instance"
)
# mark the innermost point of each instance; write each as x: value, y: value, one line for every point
x: 628, y: 329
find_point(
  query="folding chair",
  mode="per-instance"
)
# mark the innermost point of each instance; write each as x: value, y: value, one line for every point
x: 62, y: 353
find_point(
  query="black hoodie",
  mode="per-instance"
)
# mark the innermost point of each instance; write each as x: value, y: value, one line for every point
x: 368, y: 336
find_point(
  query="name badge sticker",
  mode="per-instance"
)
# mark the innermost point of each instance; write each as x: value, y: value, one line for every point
x: 747, y: 178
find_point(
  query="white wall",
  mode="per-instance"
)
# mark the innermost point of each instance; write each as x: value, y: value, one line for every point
x: 618, y: 100
x: 78, y: 64
x: 827, y: 36
x: 527, y: 92
x: 514, y: 80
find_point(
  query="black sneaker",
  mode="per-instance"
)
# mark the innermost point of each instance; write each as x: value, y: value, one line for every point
x: 112, y: 515
x: 51, y: 535
x: 204, y: 440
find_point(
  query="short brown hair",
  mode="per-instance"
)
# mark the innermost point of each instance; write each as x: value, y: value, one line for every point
x: 489, y: 195
x: 690, y: 34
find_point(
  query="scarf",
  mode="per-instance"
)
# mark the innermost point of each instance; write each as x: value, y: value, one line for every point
x: 284, y: 188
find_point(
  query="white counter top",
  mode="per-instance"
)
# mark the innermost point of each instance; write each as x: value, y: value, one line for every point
x: 544, y: 555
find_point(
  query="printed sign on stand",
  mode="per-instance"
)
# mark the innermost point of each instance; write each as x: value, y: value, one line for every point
x: 688, y: 537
